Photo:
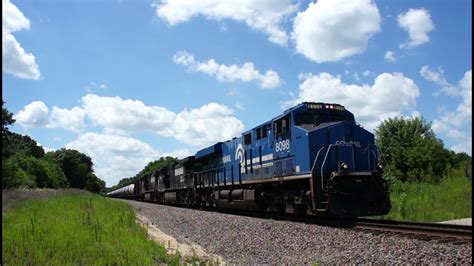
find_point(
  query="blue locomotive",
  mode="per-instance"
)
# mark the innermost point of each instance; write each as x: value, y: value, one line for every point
x: 313, y: 159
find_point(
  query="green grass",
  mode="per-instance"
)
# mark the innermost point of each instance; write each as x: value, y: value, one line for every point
x: 77, y: 229
x: 449, y: 199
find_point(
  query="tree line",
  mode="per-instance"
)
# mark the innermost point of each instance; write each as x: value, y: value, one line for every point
x: 413, y: 153
x: 25, y: 163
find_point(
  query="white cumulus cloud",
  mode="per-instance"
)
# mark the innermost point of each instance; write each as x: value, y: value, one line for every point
x: 197, y: 127
x: 72, y: 120
x: 114, y: 157
x: 207, y: 125
x: 330, y: 30
x: 35, y: 114
x: 418, y: 23
x: 16, y: 60
x: 128, y: 115
x: 229, y: 73
x: 389, y: 96
x: 452, y: 122
x: 265, y: 15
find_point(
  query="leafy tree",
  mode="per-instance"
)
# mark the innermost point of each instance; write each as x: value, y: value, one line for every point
x: 15, y: 143
x: 24, y: 170
x: 78, y: 169
x: 7, y: 119
x: 75, y: 165
x: 94, y: 184
x: 55, y: 177
x: 458, y: 160
x: 461, y: 163
x: 412, y: 150
x: 14, y: 176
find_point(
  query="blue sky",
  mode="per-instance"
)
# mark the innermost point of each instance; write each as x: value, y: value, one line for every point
x: 129, y: 81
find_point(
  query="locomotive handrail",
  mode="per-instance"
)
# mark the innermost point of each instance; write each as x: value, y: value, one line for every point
x: 322, y: 166
x: 369, y: 150
x: 376, y: 156
x: 380, y: 154
x: 213, y: 170
x: 208, y: 170
x: 316, y: 159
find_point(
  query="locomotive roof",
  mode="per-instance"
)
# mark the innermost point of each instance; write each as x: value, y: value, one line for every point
x: 306, y: 104
x: 299, y: 107
x: 209, y: 150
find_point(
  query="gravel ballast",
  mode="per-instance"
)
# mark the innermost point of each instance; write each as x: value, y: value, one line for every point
x: 249, y: 240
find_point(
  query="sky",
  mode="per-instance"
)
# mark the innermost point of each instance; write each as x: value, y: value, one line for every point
x: 129, y: 81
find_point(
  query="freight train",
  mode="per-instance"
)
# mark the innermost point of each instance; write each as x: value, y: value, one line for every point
x: 314, y: 158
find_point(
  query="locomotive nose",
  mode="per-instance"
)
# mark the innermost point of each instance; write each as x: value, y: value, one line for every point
x: 355, y: 194
x: 351, y: 174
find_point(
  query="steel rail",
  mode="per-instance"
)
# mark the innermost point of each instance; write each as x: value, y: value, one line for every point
x: 424, y: 230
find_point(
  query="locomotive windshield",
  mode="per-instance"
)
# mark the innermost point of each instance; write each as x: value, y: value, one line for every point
x: 316, y: 118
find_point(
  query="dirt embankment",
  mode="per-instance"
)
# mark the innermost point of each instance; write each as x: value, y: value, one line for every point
x: 188, y: 251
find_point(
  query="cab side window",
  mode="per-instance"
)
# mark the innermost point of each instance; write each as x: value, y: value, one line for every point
x: 265, y: 129
x: 282, y: 126
x: 259, y: 133
x: 248, y: 139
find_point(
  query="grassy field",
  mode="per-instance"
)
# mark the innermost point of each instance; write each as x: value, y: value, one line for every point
x: 77, y: 229
x: 13, y: 197
x: 427, y: 202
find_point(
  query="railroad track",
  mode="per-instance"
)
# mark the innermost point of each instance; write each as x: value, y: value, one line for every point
x: 458, y: 234
x: 427, y: 231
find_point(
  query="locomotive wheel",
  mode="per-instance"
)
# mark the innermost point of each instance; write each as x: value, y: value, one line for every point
x: 198, y: 201
x: 300, y: 209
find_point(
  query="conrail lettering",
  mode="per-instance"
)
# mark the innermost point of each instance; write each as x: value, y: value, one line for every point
x: 348, y: 143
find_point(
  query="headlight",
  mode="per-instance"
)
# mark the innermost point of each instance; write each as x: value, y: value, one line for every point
x: 380, y: 167
x: 344, y: 166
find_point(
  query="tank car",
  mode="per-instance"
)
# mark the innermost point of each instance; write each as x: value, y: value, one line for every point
x: 126, y: 192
